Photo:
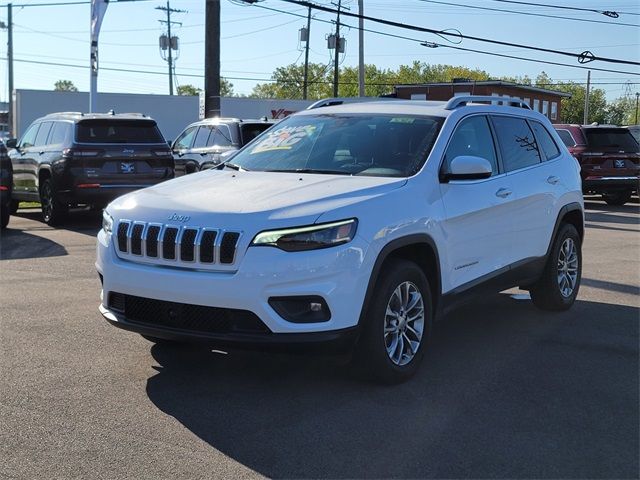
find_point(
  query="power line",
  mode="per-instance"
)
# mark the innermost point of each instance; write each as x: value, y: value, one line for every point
x: 608, y: 13
x: 530, y: 13
x: 483, y: 52
x: 58, y: 4
x: 442, y: 33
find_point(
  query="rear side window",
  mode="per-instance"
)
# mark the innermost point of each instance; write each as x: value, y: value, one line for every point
x: 611, y: 139
x: 221, y: 137
x: 59, y: 133
x: 43, y: 133
x: 118, y: 131
x: 204, y: 132
x: 29, y: 138
x: 545, y: 141
x: 517, y: 144
x: 566, y: 137
x: 472, y: 137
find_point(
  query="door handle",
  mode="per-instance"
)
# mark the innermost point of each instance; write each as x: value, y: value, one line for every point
x: 553, y: 180
x: 503, y: 193
x: 41, y: 153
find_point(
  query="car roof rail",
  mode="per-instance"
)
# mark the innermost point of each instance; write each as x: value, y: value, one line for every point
x: 462, y: 100
x: 52, y: 114
x: 332, y: 101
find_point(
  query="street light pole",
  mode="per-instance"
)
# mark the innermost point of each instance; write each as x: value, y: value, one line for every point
x: 336, y: 63
x: 10, y: 62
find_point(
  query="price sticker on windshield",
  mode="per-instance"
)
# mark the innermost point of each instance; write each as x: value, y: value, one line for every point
x: 284, y: 138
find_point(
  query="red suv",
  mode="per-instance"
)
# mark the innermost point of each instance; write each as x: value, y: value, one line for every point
x: 609, y: 157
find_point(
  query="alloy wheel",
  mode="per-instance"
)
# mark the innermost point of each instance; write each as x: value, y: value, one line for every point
x: 404, y: 323
x: 567, y: 267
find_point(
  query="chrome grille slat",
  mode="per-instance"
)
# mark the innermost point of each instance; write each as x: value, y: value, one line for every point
x: 179, y: 246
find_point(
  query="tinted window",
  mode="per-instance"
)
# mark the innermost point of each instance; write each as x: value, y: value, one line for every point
x: 221, y: 137
x: 29, y: 138
x: 43, y: 133
x: 517, y: 143
x: 59, y: 133
x: 118, y: 131
x: 617, y: 139
x: 252, y: 130
x: 545, y: 142
x: 349, y: 144
x: 202, y: 136
x: 184, y: 141
x: 472, y: 137
x: 566, y: 137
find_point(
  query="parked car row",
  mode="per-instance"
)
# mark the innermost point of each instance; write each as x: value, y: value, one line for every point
x: 68, y: 159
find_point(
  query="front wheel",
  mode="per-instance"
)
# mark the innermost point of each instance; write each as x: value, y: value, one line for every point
x: 617, y: 198
x: 53, y: 211
x: 397, y: 324
x: 558, y: 287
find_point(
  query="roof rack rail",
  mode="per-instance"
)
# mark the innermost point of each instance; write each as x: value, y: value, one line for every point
x: 133, y: 114
x: 332, y: 101
x: 63, y: 113
x: 462, y: 100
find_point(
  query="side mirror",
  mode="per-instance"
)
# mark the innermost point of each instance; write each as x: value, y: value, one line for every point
x: 468, y: 167
x: 169, y: 142
x: 12, y: 143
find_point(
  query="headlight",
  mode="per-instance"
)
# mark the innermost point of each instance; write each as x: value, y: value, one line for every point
x: 107, y: 222
x: 308, y: 238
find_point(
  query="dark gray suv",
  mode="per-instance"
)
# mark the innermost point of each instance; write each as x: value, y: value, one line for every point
x: 69, y: 159
x: 200, y: 145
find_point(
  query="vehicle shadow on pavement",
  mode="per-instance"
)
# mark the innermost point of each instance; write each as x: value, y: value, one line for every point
x: 611, y: 218
x: 18, y: 244
x: 505, y: 391
x: 86, y: 222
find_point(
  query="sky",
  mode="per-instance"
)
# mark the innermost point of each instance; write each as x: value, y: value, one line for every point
x: 256, y: 39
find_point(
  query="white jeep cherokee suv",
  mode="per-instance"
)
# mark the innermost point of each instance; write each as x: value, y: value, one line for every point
x: 353, y: 226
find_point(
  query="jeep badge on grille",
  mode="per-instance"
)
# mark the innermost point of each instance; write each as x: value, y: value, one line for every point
x: 179, y: 218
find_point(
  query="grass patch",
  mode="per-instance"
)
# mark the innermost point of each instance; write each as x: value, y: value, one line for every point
x: 29, y: 205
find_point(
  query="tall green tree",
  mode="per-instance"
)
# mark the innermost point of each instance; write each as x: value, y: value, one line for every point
x: 64, y: 86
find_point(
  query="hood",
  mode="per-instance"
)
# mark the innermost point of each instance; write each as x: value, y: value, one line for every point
x: 264, y: 196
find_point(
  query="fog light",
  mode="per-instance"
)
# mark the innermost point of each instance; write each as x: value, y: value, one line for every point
x: 304, y: 309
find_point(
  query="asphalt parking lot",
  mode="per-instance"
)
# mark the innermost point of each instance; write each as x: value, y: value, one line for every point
x: 506, y: 391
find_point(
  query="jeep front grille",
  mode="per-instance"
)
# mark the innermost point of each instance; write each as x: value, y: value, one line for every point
x: 188, y: 247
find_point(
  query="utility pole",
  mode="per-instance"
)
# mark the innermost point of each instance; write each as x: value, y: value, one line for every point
x: 10, y: 62
x: 305, y: 86
x: 361, y: 48
x: 637, y: 96
x: 586, y: 99
x: 212, y: 59
x: 336, y: 72
x: 171, y: 45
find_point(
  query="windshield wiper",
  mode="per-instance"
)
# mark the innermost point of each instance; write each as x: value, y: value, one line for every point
x: 311, y: 170
x: 232, y: 166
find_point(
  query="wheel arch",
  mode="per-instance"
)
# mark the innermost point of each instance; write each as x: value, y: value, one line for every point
x: 572, y: 214
x: 44, y: 172
x: 418, y: 248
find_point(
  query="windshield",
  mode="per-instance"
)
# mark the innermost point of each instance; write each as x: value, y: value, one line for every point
x: 618, y: 139
x: 118, y: 131
x: 375, y: 145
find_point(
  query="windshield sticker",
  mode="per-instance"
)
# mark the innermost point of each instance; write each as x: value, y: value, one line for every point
x: 402, y: 120
x: 284, y: 138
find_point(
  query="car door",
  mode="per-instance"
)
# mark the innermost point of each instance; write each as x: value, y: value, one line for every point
x: 39, y: 157
x: 535, y: 183
x: 200, y: 149
x: 22, y: 157
x: 479, y: 214
x: 182, y: 151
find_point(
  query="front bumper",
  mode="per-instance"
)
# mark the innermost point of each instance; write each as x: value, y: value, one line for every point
x: 339, y: 275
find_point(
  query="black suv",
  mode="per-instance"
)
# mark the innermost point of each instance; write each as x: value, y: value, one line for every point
x: 69, y: 159
x: 199, y: 146
x: 6, y: 184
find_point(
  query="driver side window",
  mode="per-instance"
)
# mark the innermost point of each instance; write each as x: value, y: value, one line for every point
x: 184, y: 141
x: 29, y: 138
x: 472, y: 137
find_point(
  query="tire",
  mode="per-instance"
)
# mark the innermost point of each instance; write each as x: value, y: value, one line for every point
x: 557, y: 288
x: 13, y: 206
x: 617, y: 198
x: 5, y: 213
x: 53, y: 212
x: 375, y: 353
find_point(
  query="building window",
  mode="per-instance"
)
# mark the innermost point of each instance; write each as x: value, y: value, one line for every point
x: 545, y: 108
x: 527, y: 101
x: 418, y: 96
x: 536, y: 104
x: 460, y: 94
x: 554, y: 110
x: 495, y: 102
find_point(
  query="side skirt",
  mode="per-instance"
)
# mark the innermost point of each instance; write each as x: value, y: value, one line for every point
x: 520, y: 274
